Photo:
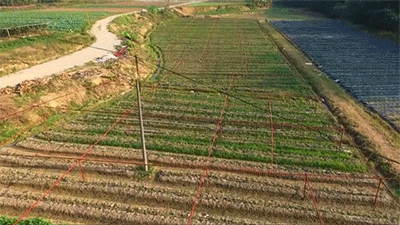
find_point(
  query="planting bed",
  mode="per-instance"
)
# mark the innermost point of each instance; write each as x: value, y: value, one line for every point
x: 225, y: 90
x: 367, y: 67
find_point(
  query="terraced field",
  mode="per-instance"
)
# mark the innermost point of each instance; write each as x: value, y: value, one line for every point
x: 227, y: 120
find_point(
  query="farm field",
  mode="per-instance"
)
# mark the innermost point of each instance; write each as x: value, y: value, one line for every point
x: 224, y: 91
x: 366, y: 67
x: 30, y: 37
x: 65, y: 21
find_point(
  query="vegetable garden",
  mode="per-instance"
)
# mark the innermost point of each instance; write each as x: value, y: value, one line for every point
x: 57, y: 20
x: 227, y: 120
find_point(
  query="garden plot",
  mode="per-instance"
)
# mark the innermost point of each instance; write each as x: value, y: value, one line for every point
x: 275, y: 146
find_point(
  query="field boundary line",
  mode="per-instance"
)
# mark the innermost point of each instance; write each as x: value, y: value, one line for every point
x: 314, y: 199
x: 204, y: 175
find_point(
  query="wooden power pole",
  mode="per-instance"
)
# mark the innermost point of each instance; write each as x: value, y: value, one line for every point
x: 146, y: 167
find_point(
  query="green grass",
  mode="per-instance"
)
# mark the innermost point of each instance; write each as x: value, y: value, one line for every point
x: 8, y: 131
x: 53, y: 119
x: 34, y: 221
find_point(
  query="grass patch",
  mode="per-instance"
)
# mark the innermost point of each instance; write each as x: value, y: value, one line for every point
x: 125, y: 20
x: 8, y: 131
x: 53, y: 119
x: 4, y: 220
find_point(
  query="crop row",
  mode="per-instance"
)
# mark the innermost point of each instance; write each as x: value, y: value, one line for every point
x: 230, y: 130
x: 285, y: 139
x: 224, y: 145
x: 158, y: 157
x: 312, y: 160
x: 176, y: 160
x: 288, y: 189
x: 181, y: 199
x: 101, y: 210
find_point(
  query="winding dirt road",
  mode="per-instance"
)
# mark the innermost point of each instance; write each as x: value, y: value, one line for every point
x: 105, y: 42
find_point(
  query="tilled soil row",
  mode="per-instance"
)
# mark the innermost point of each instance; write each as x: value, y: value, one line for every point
x: 107, y: 211
x: 191, y: 161
x: 277, y: 187
x: 182, y: 199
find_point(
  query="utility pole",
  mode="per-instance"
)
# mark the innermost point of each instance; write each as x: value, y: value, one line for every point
x: 272, y: 132
x: 146, y: 167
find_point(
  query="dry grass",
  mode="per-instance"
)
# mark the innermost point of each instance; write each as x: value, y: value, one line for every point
x: 22, y: 54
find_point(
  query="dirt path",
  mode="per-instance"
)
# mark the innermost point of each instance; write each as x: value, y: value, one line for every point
x: 105, y: 42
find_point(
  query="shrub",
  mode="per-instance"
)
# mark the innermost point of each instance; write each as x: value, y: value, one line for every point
x: 153, y: 9
x: 128, y: 35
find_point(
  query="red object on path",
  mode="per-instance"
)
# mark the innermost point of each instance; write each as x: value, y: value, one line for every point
x: 121, y: 52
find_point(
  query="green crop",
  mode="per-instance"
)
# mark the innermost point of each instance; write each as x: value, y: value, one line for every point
x: 71, y: 21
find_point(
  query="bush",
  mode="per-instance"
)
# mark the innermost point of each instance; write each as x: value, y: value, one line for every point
x: 128, y: 35
x: 153, y: 9
x: 141, y: 173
